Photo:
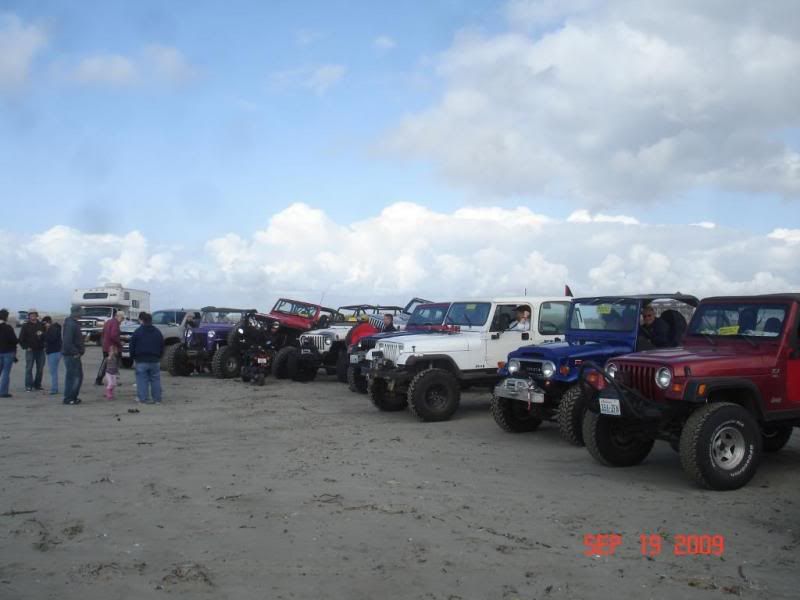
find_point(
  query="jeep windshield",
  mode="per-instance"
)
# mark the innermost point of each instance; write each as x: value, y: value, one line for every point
x: 747, y: 319
x: 300, y: 309
x: 468, y: 314
x: 620, y: 315
x: 96, y: 311
x: 428, y: 314
x: 167, y: 317
x: 222, y: 317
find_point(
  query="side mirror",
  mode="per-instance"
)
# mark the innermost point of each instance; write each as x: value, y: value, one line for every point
x: 496, y: 335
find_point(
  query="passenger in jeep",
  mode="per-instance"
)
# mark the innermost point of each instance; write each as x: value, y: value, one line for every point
x: 388, y: 323
x: 653, y: 332
x: 522, y: 322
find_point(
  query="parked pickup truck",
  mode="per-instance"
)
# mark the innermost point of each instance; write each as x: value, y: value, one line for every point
x: 171, y: 322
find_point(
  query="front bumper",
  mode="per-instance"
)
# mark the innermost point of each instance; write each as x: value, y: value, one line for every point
x: 631, y: 403
x: 523, y: 390
x: 310, y: 356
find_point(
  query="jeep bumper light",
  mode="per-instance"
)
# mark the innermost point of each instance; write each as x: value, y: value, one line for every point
x: 663, y: 378
x: 548, y: 369
x: 513, y: 366
x: 211, y: 334
x: 611, y: 370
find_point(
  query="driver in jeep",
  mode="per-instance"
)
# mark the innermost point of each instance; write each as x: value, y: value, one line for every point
x: 653, y: 332
x: 522, y: 322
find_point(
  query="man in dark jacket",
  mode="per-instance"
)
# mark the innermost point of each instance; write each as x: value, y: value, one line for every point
x: 52, y: 347
x: 653, y: 332
x: 388, y: 323
x: 31, y: 339
x: 8, y: 352
x: 147, y: 346
x: 72, y: 349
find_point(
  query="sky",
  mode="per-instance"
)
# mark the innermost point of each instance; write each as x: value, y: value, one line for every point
x: 374, y: 151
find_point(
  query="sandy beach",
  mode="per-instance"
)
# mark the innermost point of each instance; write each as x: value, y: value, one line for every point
x: 305, y: 491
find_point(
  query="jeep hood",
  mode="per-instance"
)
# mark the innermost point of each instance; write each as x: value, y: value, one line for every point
x: 560, y: 350
x: 431, y: 343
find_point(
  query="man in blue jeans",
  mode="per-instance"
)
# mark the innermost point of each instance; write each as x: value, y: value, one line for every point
x: 31, y: 339
x: 146, y: 347
x: 8, y: 352
x: 72, y: 349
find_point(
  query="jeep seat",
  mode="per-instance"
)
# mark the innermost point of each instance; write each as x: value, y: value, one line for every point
x: 773, y: 325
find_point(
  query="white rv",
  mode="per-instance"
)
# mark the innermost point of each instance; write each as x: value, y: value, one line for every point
x: 99, y: 304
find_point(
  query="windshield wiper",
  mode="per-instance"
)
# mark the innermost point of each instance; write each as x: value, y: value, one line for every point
x: 467, y: 319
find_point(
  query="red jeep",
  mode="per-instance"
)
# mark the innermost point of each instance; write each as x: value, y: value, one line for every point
x: 730, y: 392
x: 295, y: 318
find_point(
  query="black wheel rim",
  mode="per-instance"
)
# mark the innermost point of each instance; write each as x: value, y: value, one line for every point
x: 621, y: 438
x: 436, y: 397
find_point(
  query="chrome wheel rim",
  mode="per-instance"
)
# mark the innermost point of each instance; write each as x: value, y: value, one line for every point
x: 728, y: 448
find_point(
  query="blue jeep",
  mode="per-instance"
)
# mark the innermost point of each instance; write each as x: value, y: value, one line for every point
x: 543, y: 382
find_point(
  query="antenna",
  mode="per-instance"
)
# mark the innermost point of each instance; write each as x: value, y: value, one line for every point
x: 525, y: 293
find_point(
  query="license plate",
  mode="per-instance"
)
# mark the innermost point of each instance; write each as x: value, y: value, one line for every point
x: 261, y: 361
x: 536, y: 397
x: 610, y: 406
x: 305, y: 351
x: 354, y: 359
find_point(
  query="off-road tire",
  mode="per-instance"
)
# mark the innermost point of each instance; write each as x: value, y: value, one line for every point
x: 609, y: 445
x: 297, y: 371
x: 246, y: 377
x: 571, y: 410
x: 775, y: 436
x: 233, y: 335
x: 259, y: 379
x: 177, y: 361
x: 226, y: 363
x: 128, y: 362
x: 342, y: 365
x: 162, y: 363
x: 513, y: 416
x: 382, y: 398
x: 711, y: 434
x: 279, y: 366
x: 434, y: 395
x: 356, y: 382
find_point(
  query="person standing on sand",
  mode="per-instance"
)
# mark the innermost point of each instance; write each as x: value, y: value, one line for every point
x: 31, y: 339
x: 112, y: 371
x: 110, y: 339
x: 147, y: 347
x: 72, y: 350
x: 8, y: 352
x: 52, y: 347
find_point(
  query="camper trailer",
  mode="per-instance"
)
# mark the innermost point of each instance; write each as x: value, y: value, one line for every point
x: 99, y: 304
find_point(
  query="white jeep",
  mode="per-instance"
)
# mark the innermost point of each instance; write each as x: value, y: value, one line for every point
x: 428, y: 371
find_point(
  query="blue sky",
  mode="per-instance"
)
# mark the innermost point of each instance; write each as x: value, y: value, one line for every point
x: 186, y: 122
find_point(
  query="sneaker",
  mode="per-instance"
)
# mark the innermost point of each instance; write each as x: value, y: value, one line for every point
x: 39, y: 389
x: 6, y: 396
x: 28, y: 389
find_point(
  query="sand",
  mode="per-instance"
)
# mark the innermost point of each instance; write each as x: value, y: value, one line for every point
x: 305, y: 491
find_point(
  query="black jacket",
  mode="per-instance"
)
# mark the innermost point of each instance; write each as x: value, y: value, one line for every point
x: 72, y: 337
x: 8, y: 339
x: 31, y: 336
x: 52, y: 339
x: 147, y: 344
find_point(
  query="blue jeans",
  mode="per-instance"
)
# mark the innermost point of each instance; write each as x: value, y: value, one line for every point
x: 6, y: 362
x: 148, y: 378
x: 73, y: 377
x: 52, y: 363
x: 34, y: 357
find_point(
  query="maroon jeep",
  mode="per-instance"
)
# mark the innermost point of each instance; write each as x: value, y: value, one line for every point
x: 295, y: 318
x: 730, y: 392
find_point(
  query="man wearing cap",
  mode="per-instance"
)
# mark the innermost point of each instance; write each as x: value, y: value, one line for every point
x: 31, y: 339
x: 72, y: 349
x: 522, y: 322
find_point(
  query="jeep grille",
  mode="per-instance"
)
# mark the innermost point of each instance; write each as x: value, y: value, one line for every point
x: 531, y: 369
x: 640, y: 377
x: 316, y: 340
x: 198, y: 340
x: 391, y: 350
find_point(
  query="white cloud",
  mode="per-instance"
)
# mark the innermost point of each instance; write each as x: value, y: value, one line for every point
x: 384, y: 42
x: 19, y: 45
x: 704, y: 225
x: 170, y: 64
x: 318, y: 79
x: 321, y: 79
x: 790, y: 236
x: 630, y: 101
x: 106, y: 69
x: 584, y: 216
x: 405, y: 250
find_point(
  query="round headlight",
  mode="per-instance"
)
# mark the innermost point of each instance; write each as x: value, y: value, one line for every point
x: 513, y: 366
x: 212, y: 333
x: 548, y: 369
x: 663, y: 378
x: 611, y: 370
x: 328, y: 341
x: 240, y: 330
